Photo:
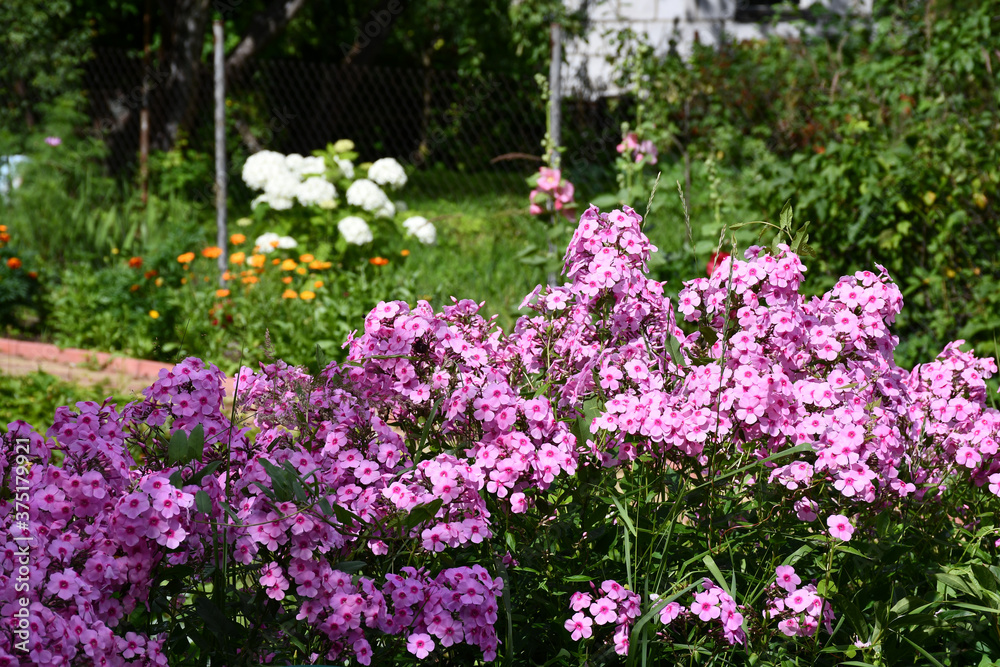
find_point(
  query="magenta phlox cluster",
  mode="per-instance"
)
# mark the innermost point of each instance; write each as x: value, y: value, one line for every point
x: 63, y: 548
x: 799, y: 610
x: 611, y: 604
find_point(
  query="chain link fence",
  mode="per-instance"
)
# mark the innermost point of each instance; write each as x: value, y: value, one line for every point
x: 460, y: 134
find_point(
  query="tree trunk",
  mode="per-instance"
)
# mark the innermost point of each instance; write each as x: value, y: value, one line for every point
x: 184, y: 38
x: 263, y: 29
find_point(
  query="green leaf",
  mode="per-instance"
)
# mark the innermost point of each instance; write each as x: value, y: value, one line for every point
x: 177, y: 450
x: 203, y: 502
x: 785, y: 219
x: 954, y: 582
x: 350, y: 566
x: 196, y: 444
x: 201, y: 474
x: 421, y: 513
x: 717, y: 573
x: 578, y: 577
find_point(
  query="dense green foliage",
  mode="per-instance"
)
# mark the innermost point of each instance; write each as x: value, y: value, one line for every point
x: 884, y: 132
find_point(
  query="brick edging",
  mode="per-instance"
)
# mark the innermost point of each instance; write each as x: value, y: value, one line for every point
x: 139, y: 369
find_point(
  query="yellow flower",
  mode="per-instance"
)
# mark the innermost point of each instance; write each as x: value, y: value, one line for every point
x: 307, y: 295
x: 289, y: 294
x: 305, y: 259
x: 154, y: 314
x: 159, y: 282
x: 288, y: 265
x: 237, y: 257
x: 301, y: 271
x: 318, y: 284
x: 237, y: 239
x: 185, y: 258
x: 256, y: 261
x: 221, y: 293
x: 211, y: 252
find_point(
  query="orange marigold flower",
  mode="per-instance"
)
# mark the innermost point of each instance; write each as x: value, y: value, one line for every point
x: 221, y: 293
x: 250, y: 280
x: 184, y: 280
x: 289, y: 294
x: 404, y: 252
x: 237, y: 258
x: 315, y: 264
x: 135, y: 262
x: 34, y: 274
x: 13, y: 263
x: 307, y: 295
x: 226, y: 275
x: 288, y: 265
x: 4, y: 237
x: 306, y: 258
x: 186, y: 258
x: 211, y: 252
x: 318, y: 284
x: 149, y: 274
x: 275, y: 261
x: 237, y: 239
x: 301, y: 271
x: 287, y: 280
x: 379, y: 261
x: 134, y: 288
x: 256, y: 261
x: 3, y: 228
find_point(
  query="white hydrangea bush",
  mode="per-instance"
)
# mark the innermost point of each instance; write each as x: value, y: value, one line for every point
x: 328, y: 180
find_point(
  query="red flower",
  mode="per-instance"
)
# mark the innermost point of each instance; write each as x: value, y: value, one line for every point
x: 714, y: 262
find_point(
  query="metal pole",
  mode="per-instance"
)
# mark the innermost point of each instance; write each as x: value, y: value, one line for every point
x: 144, y: 113
x: 220, y: 147
x: 555, y: 93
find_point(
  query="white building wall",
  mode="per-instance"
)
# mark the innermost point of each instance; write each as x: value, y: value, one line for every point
x: 659, y: 21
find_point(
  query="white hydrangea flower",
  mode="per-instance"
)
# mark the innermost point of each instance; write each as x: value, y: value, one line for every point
x: 281, y: 185
x: 313, y: 165
x: 386, y: 211
x: 366, y: 194
x: 277, y: 202
x: 387, y: 171
x: 286, y: 242
x: 314, y: 191
x: 293, y: 162
x: 346, y: 168
x: 355, y: 230
x: 421, y: 228
x: 261, y: 167
x: 266, y: 243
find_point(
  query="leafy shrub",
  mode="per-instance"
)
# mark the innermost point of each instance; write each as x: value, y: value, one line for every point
x: 750, y: 478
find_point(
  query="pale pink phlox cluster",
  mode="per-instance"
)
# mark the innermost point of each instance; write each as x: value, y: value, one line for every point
x: 612, y: 604
x: 799, y: 609
x: 552, y: 192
